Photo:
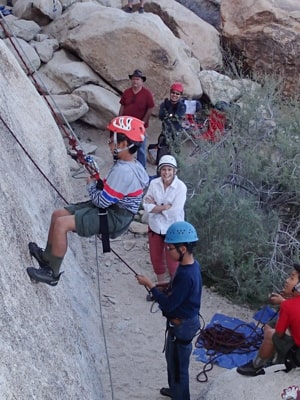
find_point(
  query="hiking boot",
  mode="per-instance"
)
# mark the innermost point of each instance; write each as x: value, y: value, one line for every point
x: 165, y: 392
x: 44, y: 275
x: 249, y: 369
x: 141, y: 10
x: 37, y: 252
x: 128, y: 10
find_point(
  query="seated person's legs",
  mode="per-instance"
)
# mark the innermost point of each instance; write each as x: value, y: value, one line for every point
x: 265, y: 353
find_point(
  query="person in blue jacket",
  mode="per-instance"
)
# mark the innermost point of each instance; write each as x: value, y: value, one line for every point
x: 171, y: 113
x: 180, y: 306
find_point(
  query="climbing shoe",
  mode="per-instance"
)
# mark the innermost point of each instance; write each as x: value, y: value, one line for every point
x: 44, y: 275
x: 37, y: 252
x: 165, y: 392
x: 249, y: 370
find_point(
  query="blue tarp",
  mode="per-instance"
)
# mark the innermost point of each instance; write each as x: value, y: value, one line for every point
x: 233, y: 360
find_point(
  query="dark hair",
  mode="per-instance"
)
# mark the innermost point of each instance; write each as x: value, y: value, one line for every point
x: 189, y: 246
x: 121, y: 138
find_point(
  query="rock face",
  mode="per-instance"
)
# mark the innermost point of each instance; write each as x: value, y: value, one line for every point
x: 49, y: 336
x: 267, y: 34
x: 152, y: 46
x: 200, y: 36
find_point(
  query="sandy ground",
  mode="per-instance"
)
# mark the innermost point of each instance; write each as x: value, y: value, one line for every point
x: 134, y: 329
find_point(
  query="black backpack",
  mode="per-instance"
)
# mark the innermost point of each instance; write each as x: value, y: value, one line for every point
x: 292, y: 358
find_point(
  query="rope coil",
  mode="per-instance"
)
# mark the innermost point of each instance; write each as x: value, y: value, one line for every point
x: 219, y: 340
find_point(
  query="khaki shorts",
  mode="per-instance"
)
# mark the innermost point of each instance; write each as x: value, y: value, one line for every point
x: 87, y: 221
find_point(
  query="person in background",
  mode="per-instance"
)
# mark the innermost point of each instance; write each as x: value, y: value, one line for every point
x: 171, y: 113
x: 164, y: 204
x: 117, y: 197
x: 286, y: 335
x: 137, y: 101
x: 180, y: 306
x: 128, y: 8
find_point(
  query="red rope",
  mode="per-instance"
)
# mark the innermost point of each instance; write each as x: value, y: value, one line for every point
x: 74, y: 143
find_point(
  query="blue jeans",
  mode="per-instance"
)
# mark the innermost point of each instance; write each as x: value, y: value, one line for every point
x: 141, y: 154
x: 178, y: 351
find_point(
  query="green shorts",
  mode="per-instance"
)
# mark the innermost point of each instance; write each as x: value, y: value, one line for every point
x: 87, y: 221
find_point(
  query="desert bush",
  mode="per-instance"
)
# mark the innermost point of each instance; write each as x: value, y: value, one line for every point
x: 245, y: 197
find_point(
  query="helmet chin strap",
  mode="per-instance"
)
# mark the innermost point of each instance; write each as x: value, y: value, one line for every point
x: 116, y: 151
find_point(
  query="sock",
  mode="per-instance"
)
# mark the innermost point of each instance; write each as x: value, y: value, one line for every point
x: 47, y: 252
x: 55, y: 263
x: 259, y: 362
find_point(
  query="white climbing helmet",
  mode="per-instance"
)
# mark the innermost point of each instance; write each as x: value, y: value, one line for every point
x: 167, y: 160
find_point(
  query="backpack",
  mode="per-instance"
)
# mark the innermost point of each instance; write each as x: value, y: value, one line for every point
x: 292, y: 358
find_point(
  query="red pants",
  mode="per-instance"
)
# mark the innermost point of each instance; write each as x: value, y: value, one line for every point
x: 160, y: 257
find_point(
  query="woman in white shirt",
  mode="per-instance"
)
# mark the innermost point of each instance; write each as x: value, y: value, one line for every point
x: 164, y: 204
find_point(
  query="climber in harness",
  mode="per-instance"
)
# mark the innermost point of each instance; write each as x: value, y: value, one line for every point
x: 112, y: 205
x: 283, y: 342
x: 180, y: 306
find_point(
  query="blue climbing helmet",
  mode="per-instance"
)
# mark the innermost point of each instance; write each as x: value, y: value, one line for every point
x: 181, y: 232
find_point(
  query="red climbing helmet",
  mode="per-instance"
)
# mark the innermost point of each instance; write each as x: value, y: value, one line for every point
x: 177, y: 86
x: 133, y: 128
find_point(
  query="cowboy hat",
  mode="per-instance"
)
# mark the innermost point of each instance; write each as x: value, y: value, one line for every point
x: 138, y: 74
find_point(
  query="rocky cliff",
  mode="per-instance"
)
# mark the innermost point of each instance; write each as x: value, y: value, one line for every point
x: 51, y: 342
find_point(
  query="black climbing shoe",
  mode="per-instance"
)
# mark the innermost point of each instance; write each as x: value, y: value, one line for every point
x: 249, y: 370
x: 44, y: 275
x: 165, y: 392
x: 37, y: 252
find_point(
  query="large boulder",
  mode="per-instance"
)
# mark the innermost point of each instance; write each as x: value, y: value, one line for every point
x: 146, y: 44
x: 70, y: 19
x: 267, y: 35
x: 219, y: 87
x: 24, y: 29
x: 71, y: 107
x: 24, y: 53
x: 200, y: 36
x: 66, y: 72
x: 40, y: 11
x: 103, y: 105
x: 45, y: 48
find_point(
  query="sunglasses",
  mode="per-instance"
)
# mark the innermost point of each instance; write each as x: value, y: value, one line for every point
x: 176, y: 93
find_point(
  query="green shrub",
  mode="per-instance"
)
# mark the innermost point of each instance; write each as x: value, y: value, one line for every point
x: 244, y: 197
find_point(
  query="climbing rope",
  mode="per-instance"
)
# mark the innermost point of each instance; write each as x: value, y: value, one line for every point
x: 102, y: 321
x: 75, y: 151
x: 219, y: 340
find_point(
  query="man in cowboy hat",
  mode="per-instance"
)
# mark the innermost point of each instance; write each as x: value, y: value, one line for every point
x: 137, y: 101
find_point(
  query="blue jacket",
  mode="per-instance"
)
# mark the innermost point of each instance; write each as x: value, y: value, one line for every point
x: 172, y: 115
x: 184, y: 300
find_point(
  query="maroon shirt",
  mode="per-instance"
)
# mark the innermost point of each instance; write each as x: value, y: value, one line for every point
x: 136, y: 105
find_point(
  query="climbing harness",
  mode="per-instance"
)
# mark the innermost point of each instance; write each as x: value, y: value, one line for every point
x: 75, y: 151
